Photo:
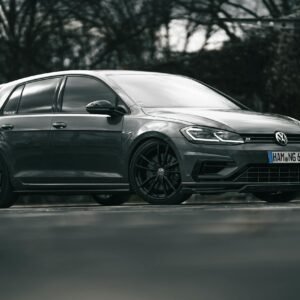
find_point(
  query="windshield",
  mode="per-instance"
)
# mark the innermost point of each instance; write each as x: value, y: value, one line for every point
x: 171, y: 91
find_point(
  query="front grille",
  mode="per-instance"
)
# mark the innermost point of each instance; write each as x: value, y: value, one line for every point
x: 269, y: 138
x: 271, y: 173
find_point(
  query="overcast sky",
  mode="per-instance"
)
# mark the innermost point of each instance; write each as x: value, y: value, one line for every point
x: 177, y: 38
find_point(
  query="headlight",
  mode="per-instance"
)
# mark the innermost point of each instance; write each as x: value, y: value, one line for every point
x: 211, y: 135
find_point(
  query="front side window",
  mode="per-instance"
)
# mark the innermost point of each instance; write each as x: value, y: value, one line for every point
x: 80, y: 91
x: 38, y: 96
x: 11, y: 106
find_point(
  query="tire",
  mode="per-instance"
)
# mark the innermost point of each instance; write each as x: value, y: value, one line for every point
x: 278, y: 197
x: 115, y: 199
x: 7, y: 197
x: 154, y: 174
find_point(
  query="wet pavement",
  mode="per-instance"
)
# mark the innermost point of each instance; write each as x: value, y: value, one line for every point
x: 204, y: 250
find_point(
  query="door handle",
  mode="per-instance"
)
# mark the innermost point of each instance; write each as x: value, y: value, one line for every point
x: 7, y: 126
x: 59, y: 125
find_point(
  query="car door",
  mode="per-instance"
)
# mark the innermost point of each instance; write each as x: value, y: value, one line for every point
x: 86, y: 148
x: 25, y: 129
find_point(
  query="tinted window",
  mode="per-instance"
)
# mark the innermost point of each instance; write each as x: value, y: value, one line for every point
x: 80, y: 91
x: 11, y: 106
x: 171, y: 91
x: 38, y: 96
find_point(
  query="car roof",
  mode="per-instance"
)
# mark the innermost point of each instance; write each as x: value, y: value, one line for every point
x: 97, y: 73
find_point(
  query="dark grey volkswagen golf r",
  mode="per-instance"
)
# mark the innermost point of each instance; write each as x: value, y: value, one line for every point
x: 161, y: 136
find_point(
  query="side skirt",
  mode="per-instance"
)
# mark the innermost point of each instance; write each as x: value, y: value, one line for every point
x: 74, y: 188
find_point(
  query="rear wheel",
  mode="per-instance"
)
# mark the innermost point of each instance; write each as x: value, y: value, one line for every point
x: 277, y: 197
x: 155, y: 175
x: 115, y: 199
x: 7, y: 197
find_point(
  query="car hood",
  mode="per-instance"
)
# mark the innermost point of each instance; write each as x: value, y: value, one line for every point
x: 241, y: 121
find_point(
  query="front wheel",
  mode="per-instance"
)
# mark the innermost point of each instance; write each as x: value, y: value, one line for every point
x: 277, y: 197
x: 155, y: 175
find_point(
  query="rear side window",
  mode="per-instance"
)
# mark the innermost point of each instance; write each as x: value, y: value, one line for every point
x: 38, y: 96
x: 11, y: 106
x: 80, y: 91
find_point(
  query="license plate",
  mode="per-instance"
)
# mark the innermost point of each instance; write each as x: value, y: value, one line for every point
x: 283, y: 157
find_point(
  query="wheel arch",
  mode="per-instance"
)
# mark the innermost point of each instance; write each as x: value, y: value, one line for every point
x: 175, y: 195
x: 149, y: 136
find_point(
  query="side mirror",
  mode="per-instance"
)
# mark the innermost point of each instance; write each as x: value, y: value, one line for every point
x: 104, y: 107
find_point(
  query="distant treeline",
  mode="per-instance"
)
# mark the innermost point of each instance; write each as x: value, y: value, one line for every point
x: 259, y: 65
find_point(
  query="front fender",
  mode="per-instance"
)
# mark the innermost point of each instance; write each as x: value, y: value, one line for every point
x: 137, y: 133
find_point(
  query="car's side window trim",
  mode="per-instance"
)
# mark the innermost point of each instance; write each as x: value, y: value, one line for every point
x: 17, y: 111
x: 63, y: 88
x: 59, y: 100
x: 58, y: 93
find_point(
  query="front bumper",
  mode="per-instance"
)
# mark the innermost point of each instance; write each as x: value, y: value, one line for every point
x: 237, y: 159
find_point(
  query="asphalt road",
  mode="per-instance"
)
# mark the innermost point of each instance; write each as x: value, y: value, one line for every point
x: 194, y: 251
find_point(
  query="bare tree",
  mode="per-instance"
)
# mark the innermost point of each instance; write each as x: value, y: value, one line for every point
x: 33, y: 37
x: 121, y: 31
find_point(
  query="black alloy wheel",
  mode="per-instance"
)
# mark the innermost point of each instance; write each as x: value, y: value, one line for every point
x: 155, y: 174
